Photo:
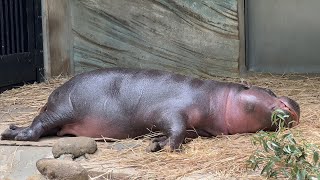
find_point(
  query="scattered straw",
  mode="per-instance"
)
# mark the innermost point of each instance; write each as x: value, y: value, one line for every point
x: 221, y: 157
x: 21, y: 105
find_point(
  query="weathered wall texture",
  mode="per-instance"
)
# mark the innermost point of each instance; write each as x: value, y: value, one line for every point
x: 195, y: 37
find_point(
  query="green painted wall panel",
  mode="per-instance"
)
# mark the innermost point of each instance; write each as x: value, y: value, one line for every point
x: 194, y: 37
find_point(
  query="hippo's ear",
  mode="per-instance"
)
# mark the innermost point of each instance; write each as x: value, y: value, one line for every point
x: 246, y: 84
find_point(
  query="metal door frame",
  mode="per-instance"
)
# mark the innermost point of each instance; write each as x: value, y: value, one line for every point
x: 27, y: 58
x: 243, y: 70
x: 244, y: 37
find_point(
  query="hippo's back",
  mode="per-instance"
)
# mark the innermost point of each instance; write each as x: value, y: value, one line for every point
x: 120, y: 92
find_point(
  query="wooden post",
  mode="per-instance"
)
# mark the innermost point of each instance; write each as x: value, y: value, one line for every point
x: 57, y: 36
x: 45, y: 32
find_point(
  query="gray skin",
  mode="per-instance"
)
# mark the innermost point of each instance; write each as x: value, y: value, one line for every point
x: 126, y: 103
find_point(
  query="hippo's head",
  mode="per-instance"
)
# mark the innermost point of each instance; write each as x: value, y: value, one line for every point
x: 255, y: 106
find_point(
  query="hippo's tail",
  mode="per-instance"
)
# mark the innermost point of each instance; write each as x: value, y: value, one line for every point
x: 43, y: 108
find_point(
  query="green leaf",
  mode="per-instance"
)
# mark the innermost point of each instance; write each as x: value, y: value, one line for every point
x: 287, y: 149
x: 267, y: 167
x: 299, y: 176
x: 293, y: 171
x: 269, y: 145
x: 253, y: 163
x: 315, y: 157
x: 275, y: 144
x: 276, y: 159
x: 272, y: 145
x: 274, y: 174
x: 276, y: 116
x: 286, y: 135
x: 285, y: 172
x: 293, y: 148
x: 288, y: 160
x: 304, y: 173
x: 281, y: 155
x: 290, y: 138
x: 265, y: 146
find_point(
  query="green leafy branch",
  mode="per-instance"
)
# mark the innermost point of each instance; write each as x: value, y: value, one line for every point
x: 280, y: 154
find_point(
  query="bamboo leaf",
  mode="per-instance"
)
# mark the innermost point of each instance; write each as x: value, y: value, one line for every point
x: 303, y: 174
x: 285, y: 136
x: 298, y: 175
x: 286, y: 149
x: 275, y: 144
x: 282, y: 150
x: 267, y: 167
x: 274, y: 174
x: 315, y: 157
x: 265, y: 146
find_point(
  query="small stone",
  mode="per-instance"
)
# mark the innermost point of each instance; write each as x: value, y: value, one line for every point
x: 66, y: 157
x: 56, y: 169
x: 36, y: 177
x: 77, y: 146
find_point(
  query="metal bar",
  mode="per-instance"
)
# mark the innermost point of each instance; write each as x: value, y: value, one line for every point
x: 38, y: 24
x: 39, y: 40
x: 30, y: 25
x: 21, y: 25
x: 6, y: 15
x: 2, y: 29
x: 16, y: 17
x: 11, y: 12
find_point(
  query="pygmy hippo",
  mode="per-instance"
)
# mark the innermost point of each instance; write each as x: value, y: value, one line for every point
x: 125, y: 103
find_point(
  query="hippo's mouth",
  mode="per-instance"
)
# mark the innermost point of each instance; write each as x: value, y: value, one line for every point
x: 293, y: 119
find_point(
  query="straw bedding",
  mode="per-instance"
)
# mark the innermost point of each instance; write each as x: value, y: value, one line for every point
x: 221, y: 157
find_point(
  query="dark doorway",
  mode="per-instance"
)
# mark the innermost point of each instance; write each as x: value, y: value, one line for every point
x: 21, y: 57
x: 283, y: 36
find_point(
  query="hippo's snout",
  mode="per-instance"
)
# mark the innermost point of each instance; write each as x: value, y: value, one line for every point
x: 292, y: 109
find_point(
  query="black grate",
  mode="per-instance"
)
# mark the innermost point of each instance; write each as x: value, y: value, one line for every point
x: 13, y: 27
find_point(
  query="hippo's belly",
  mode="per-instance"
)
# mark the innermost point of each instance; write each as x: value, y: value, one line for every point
x: 98, y: 128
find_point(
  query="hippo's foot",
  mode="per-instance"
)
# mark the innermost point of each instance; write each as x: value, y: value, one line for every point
x: 161, y: 143
x: 19, y: 133
x: 11, y: 132
x: 157, y: 144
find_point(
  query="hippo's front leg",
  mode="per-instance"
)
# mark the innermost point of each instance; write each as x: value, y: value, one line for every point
x: 174, y: 127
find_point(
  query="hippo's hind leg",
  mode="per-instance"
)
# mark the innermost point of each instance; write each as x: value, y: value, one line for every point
x: 46, y: 123
x: 174, y: 127
x: 11, y: 132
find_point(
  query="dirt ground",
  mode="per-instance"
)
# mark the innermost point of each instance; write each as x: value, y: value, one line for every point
x: 216, y: 158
